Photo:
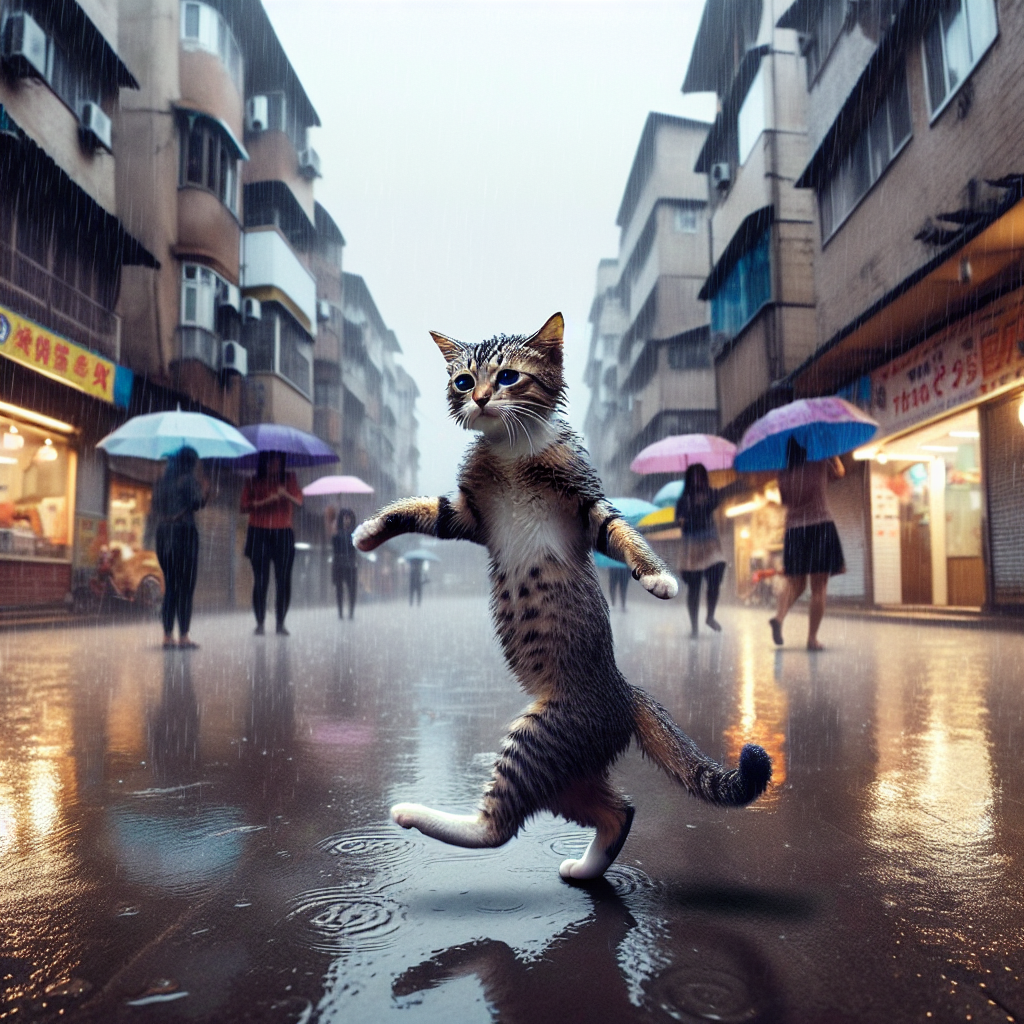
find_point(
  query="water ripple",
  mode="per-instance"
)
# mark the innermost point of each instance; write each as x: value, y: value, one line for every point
x: 339, y: 921
x: 698, y: 994
x: 377, y: 846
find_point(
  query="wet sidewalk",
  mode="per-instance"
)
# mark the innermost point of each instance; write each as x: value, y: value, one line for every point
x: 204, y: 836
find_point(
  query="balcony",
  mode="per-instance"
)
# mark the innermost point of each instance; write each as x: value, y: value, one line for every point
x: 35, y: 292
x: 272, y: 272
x: 201, y: 344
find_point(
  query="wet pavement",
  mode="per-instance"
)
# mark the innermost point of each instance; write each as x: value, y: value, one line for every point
x: 203, y: 836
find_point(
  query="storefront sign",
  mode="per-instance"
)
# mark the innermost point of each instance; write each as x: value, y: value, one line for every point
x: 976, y: 356
x: 28, y: 343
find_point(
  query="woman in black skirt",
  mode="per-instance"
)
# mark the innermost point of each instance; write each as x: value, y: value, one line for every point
x: 811, y: 546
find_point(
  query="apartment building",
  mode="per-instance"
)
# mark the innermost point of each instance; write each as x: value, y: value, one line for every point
x: 649, y: 365
x: 915, y: 163
x: 63, y: 253
x: 760, y: 289
x: 327, y: 357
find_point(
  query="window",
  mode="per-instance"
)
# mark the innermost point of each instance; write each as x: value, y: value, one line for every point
x: 752, y: 119
x: 873, y: 150
x: 208, y: 161
x: 205, y: 28
x: 686, y: 220
x: 282, y: 117
x: 745, y: 290
x: 824, y: 34
x: 276, y: 344
x: 692, y: 355
x: 199, y: 289
x: 954, y: 42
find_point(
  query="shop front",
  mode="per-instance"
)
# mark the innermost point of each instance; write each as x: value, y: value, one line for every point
x: 56, y: 400
x: 945, y: 469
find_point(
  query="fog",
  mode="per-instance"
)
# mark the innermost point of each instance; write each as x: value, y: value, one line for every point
x: 474, y: 155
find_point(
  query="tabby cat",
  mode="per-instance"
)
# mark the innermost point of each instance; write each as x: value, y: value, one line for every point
x: 529, y: 494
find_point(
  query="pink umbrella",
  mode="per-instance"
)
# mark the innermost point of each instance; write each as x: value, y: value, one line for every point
x: 337, y: 485
x: 675, y: 454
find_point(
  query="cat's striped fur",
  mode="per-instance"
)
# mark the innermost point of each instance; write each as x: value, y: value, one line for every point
x: 529, y: 494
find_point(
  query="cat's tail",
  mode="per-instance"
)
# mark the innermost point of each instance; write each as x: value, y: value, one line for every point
x: 680, y: 758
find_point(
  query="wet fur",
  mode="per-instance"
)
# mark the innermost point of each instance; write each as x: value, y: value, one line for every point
x: 528, y: 493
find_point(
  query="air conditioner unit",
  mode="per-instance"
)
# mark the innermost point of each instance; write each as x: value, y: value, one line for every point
x: 24, y: 45
x: 251, y: 309
x: 233, y: 358
x: 257, y: 114
x: 309, y: 163
x: 323, y: 309
x: 231, y: 297
x: 721, y: 175
x: 95, y: 127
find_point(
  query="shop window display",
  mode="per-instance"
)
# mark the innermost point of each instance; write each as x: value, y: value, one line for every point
x: 35, y: 469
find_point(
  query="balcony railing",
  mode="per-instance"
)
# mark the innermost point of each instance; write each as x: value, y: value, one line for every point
x: 33, y: 291
x: 199, y: 343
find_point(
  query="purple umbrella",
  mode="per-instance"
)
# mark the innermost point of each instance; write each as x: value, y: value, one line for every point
x: 300, y: 448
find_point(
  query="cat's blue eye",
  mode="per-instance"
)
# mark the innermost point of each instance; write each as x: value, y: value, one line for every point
x: 464, y: 382
x: 507, y: 377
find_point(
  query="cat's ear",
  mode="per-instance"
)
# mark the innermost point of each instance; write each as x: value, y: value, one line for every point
x: 450, y: 348
x: 549, y: 338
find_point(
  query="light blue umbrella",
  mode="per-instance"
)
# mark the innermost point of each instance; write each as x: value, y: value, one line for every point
x: 633, y: 509
x: 420, y: 555
x: 160, y: 434
x: 604, y: 562
x: 669, y: 494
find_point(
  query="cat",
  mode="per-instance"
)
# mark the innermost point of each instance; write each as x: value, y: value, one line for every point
x: 527, y: 492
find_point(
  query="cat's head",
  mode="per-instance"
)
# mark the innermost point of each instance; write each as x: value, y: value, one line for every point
x: 507, y: 386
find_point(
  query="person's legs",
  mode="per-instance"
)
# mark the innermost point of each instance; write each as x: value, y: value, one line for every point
x: 623, y: 586
x: 819, y: 588
x: 284, y: 559
x: 692, y: 581
x: 339, y: 593
x: 788, y: 596
x: 613, y: 586
x: 168, y: 565
x: 352, y: 577
x: 260, y: 559
x: 188, y: 542
x: 714, y: 574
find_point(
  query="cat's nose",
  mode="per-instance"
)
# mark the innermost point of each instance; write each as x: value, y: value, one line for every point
x: 482, y: 396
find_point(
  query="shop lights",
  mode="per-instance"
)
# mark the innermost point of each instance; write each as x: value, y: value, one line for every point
x: 744, y: 507
x: 884, y: 457
x: 37, y: 418
x: 6, y: 460
x: 971, y: 435
x: 47, y: 453
x: 13, y: 441
x: 939, y: 448
x: 1020, y: 414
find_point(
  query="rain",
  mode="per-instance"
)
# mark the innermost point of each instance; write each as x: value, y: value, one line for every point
x: 510, y: 511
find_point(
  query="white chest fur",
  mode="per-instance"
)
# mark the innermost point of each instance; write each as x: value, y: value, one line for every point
x: 525, y: 529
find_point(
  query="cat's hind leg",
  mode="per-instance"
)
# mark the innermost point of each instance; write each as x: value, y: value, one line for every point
x: 594, y: 803
x: 473, y: 831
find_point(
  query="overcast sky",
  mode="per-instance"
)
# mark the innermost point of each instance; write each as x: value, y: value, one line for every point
x: 474, y: 155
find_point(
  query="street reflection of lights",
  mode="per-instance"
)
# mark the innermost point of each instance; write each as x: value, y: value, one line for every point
x: 44, y: 805
x: 8, y: 821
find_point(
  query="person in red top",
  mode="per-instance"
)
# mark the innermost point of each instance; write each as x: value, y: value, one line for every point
x: 269, y: 498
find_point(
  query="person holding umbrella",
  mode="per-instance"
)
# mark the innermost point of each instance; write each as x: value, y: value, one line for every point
x: 177, y: 496
x: 701, y: 557
x: 344, y: 570
x: 811, y: 546
x: 270, y: 498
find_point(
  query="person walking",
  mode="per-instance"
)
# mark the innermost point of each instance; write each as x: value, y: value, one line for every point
x: 270, y: 498
x: 701, y: 557
x: 811, y: 546
x: 344, y: 569
x: 177, y: 496
x: 416, y: 581
x: 618, y: 580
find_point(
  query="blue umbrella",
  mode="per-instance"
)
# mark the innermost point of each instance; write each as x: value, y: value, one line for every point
x: 160, y: 434
x: 633, y: 509
x: 300, y: 448
x: 604, y: 562
x: 669, y: 494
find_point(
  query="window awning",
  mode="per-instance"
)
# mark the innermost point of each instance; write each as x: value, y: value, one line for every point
x: 192, y: 114
x: 25, y: 166
x: 926, y: 300
x: 747, y: 234
x: 91, y: 45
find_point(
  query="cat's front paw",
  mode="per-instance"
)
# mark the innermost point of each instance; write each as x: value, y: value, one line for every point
x: 405, y: 814
x: 660, y: 584
x: 369, y: 534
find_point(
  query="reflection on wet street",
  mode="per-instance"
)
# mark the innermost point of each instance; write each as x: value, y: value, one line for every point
x: 204, y: 836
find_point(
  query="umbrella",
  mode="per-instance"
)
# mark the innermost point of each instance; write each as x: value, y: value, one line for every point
x: 822, y: 426
x: 337, y: 485
x: 420, y: 555
x: 676, y: 453
x: 604, y: 562
x: 632, y: 509
x: 659, y: 517
x: 160, y: 434
x: 669, y: 494
x: 300, y: 448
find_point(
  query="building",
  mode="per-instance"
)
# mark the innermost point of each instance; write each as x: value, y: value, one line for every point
x: 915, y: 162
x: 327, y: 358
x: 760, y: 289
x: 649, y: 365
x: 63, y: 254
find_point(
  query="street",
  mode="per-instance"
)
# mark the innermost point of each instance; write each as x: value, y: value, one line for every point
x: 204, y: 835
